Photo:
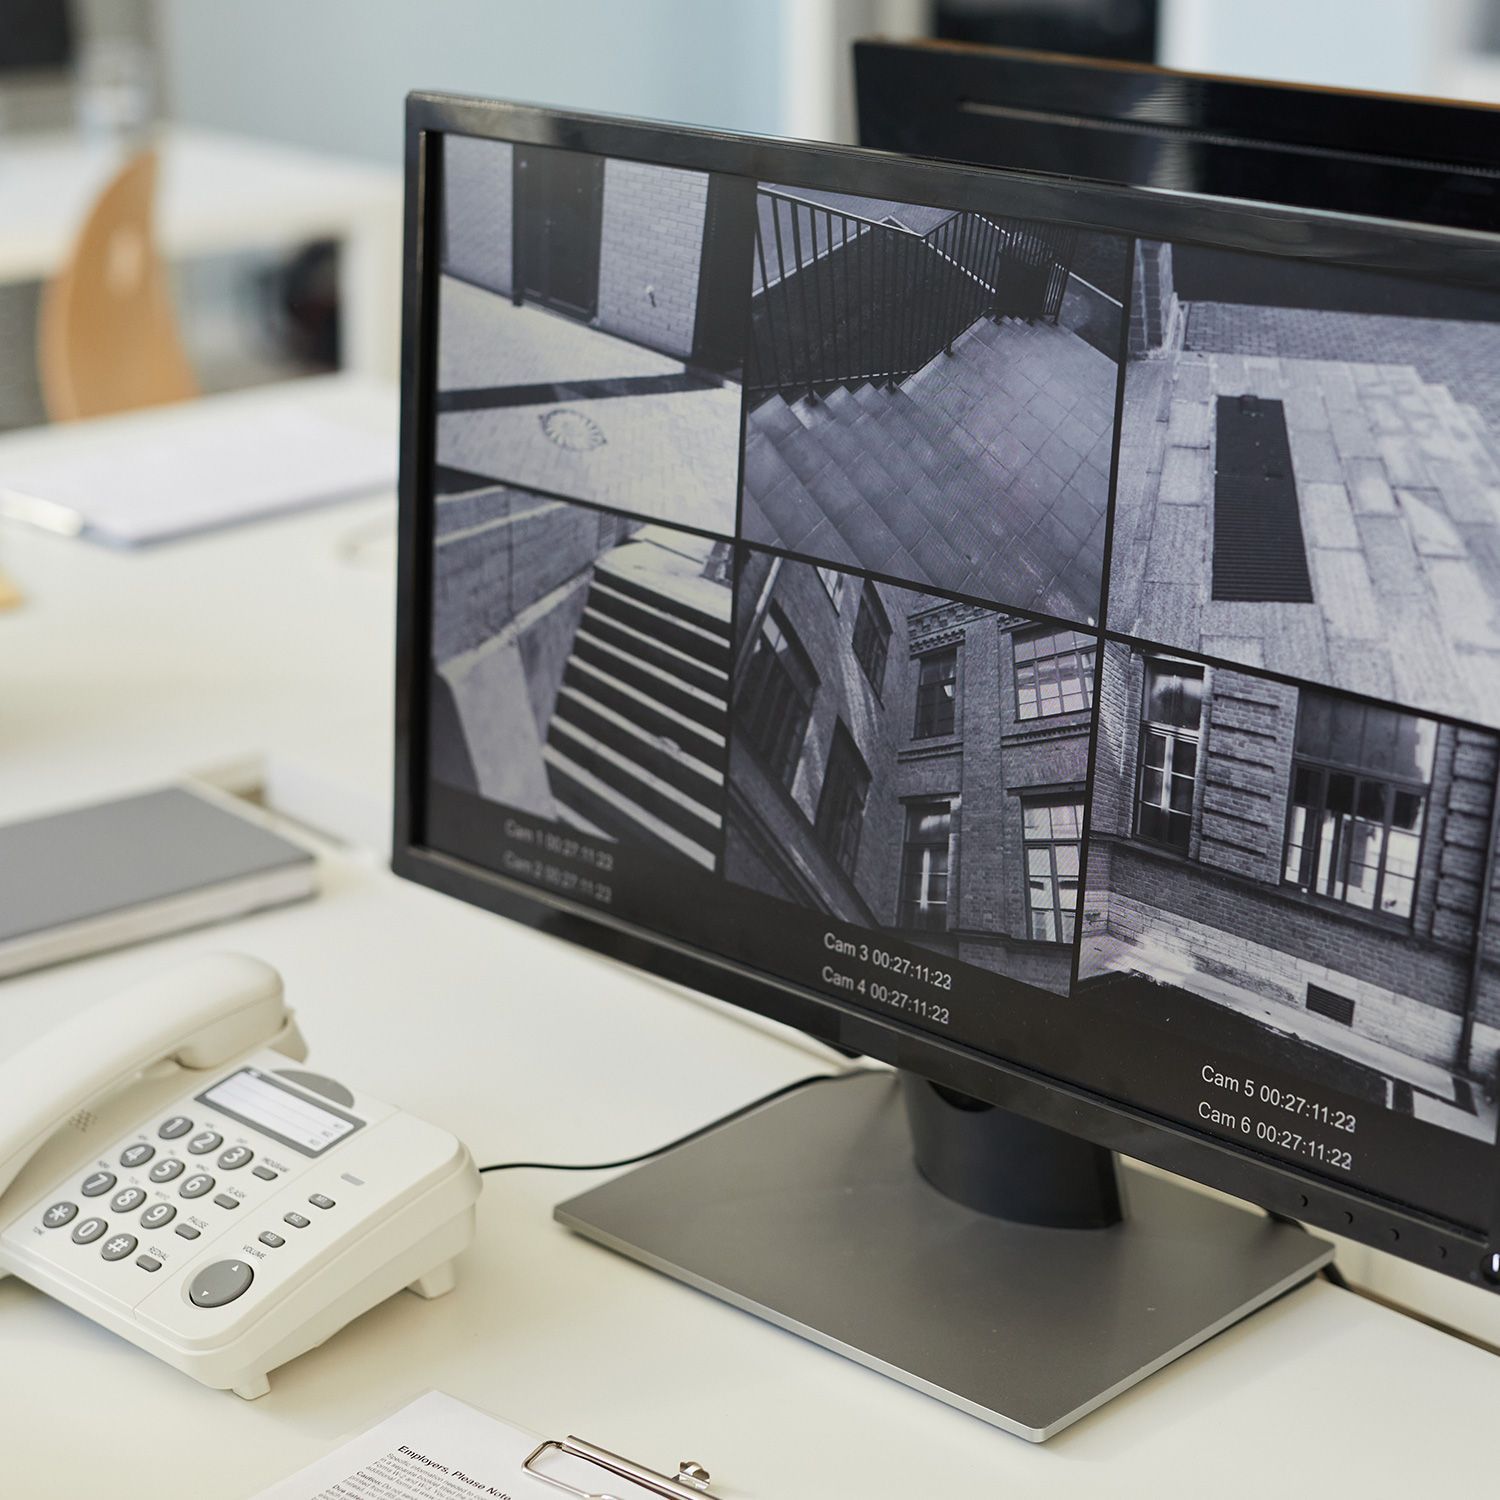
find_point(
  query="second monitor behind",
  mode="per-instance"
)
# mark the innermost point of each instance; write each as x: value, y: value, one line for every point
x: 1394, y: 156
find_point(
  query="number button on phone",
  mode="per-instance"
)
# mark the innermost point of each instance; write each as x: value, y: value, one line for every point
x: 205, y: 1141
x: 157, y: 1215
x: 134, y: 1156
x: 97, y: 1183
x: 196, y: 1185
x: 118, y: 1247
x: 166, y: 1169
x: 60, y: 1214
x: 176, y: 1126
x: 89, y: 1231
x: 235, y: 1156
x: 127, y: 1200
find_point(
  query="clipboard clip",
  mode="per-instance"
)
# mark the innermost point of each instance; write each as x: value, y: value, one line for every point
x: 689, y: 1483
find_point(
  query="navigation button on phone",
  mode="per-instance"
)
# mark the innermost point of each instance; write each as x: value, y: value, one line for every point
x: 219, y: 1283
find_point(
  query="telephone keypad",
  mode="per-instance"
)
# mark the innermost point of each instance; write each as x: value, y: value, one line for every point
x: 196, y: 1186
x: 127, y: 1200
x: 118, y: 1247
x: 205, y: 1141
x: 174, y: 1127
x: 234, y: 1157
x: 166, y: 1169
x: 97, y: 1183
x: 89, y: 1231
x: 137, y: 1155
x: 158, y: 1215
x: 60, y: 1214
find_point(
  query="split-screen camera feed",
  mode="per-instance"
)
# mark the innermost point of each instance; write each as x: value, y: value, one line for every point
x: 986, y: 622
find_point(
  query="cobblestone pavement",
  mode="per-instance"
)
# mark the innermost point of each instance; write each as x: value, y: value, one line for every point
x: 668, y: 456
x: 1463, y: 356
x: 986, y: 473
x: 1398, y: 489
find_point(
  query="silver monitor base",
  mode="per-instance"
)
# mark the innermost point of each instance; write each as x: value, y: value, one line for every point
x: 810, y: 1213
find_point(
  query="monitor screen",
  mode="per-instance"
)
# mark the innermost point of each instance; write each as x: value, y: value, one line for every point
x: 1069, y: 646
x: 37, y: 36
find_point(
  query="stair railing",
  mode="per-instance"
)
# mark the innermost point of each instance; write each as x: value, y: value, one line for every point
x: 843, y: 299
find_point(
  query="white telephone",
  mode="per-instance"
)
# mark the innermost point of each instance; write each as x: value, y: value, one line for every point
x: 165, y: 1171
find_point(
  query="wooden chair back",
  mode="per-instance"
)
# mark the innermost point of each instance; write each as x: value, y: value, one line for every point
x: 108, y: 339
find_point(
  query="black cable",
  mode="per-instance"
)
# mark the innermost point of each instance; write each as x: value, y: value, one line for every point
x: 682, y: 1140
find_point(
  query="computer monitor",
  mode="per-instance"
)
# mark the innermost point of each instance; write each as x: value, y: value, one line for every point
x: 1389, y: 155
x: 1044, y: 636
x: 37, y: 37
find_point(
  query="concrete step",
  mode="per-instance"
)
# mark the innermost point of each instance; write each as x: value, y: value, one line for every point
x: 612, y: 766
x: 661, y: 755
x: 581, y: 795
x: 646, y: 709
x: 605, y: 617
x: 659, y: 595
x: 626, y: 666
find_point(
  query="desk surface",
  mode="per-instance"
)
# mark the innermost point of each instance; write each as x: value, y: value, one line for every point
x: 126, y: 669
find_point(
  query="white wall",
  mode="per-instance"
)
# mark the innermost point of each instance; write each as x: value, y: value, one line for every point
x: 332, y: 74
x: 1402, y: 46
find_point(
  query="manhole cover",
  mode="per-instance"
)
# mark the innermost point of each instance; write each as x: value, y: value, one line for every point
x: 572, y: 430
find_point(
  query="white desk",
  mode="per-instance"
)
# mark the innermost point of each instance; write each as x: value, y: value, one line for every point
x: 128, y: 669
x: 218, y: 194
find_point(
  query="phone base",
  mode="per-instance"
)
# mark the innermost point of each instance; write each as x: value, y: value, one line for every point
x: 811, y: 1213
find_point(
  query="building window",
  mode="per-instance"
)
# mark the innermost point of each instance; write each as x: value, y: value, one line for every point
x: 1170, y: 719
x: 1360, y: 778
x: 925, y: 863
x: 937, y: 675
x: 833, y: 584
x: 841, y: 804
x: 1054, y: 672
x: 1054, y: 840
x: 776, y: 699
x: 872, y: 637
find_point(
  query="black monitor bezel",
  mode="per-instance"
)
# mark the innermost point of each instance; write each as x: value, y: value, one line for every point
x: 930, y: 98
x: 1455, y: 255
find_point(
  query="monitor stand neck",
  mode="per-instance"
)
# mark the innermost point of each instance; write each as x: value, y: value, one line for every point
x: 1001, y: 1277
x: 1006, y: 1166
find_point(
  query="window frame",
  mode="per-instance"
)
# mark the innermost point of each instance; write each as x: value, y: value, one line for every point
x: 1172, y: 733
x: 1325, y: 767
x: 869, y: 599
x: 1086, y: 677
x: 751, y: 713
x: 904, y: 910
x: 917, y: 731
x: 1078, y: 801
x: 842, y: 752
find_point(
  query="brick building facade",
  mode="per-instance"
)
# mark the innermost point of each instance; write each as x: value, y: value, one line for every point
x: 1312, y: 860
x: 908, y: 762
x: 639, y: 280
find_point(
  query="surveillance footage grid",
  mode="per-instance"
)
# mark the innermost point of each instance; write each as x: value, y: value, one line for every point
x: 789, y: 544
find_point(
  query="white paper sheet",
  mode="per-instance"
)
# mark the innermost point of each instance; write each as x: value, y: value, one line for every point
x: 440, y: 1449
x: 220, y: 467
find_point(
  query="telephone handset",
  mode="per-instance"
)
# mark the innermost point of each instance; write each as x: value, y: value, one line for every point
x: 165, y: 1171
